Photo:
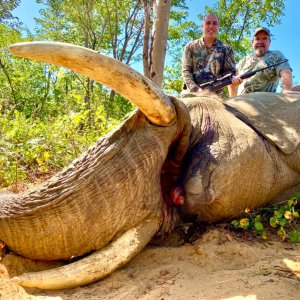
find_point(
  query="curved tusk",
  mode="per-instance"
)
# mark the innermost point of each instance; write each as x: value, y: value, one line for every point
x: 155, y: 105
x: 95, y: 266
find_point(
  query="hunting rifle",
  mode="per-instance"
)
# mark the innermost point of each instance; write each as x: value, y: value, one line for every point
x: 219, y: 83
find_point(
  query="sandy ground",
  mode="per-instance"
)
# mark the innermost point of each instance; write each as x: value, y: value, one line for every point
x: 214, y: 264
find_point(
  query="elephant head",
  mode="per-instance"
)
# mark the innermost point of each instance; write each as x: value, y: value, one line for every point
x: 197, y: 158
x: 109, y: 201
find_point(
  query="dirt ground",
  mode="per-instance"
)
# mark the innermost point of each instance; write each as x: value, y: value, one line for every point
x: 215, y: 264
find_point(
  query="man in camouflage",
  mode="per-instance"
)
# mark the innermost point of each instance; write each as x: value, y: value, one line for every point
x: 207, y: 58
x: 267, y: 80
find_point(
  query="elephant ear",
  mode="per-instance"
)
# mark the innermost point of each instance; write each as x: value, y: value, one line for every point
x: 276, y: 116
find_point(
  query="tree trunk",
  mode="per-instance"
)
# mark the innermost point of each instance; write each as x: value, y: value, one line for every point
x: 154, y: 53
x: 161, y: 9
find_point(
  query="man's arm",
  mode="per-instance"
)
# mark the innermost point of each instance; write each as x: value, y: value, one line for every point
x: 187, y: 72
x: 229, y: 67
x: 286, y: 77
x: 232, y: 90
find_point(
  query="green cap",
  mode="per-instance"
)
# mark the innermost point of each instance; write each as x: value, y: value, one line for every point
x: 259, y: 29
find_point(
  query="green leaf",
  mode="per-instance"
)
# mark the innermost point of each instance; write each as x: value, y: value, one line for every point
x: 282, y: 222
x: 258, y: 226
x: 257, y: 219
x: 296, y: 195
x: 292, y: 202
x: 278, y: 214
x: 273, y: 222
x: 281, y: 233
x: 235, y: 223
x: 294, y: 236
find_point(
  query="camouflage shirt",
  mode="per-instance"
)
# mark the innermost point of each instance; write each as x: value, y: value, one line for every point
x: 201, y: 64
x: 265, y: 81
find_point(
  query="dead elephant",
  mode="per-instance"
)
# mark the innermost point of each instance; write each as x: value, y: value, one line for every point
x: 197, y: 157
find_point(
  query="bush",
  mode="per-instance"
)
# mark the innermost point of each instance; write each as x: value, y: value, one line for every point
x: 33, y: 148
x: 283, y: 218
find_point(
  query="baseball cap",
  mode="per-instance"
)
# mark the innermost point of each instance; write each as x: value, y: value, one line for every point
x: 259, y: 29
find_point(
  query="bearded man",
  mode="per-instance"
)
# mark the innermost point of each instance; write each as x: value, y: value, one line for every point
x: 267, y: 80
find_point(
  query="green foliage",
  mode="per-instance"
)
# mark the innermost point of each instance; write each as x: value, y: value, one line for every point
x: 172, y: 80
x: 8, y: 36
x: 284, y: 219
x: 113, y: 27
x: 48, y: 115
x: 181, y: 31
x: 6, y: 16
x: 31, y: 147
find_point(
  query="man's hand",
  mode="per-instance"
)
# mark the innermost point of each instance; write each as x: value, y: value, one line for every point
x: 236, y: 80
x: 232, y: 88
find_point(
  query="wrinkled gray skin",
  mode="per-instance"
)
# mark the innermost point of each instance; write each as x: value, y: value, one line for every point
x: 109, y: 189
x: 220, y: 164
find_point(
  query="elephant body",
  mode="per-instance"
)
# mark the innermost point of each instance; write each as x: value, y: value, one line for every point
x: 230, y: 164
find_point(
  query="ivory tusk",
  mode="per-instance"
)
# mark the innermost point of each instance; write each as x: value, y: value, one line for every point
x: 95, y: 266
x: 155, y: 105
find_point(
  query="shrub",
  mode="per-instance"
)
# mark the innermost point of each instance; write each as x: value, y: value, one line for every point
x: 283, y: 218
